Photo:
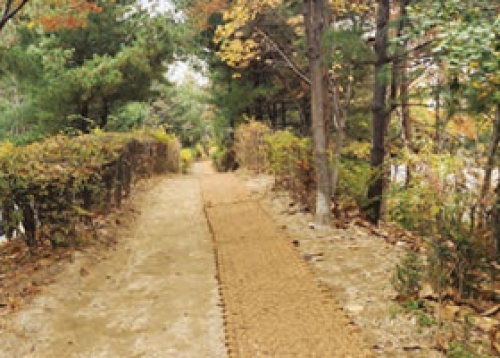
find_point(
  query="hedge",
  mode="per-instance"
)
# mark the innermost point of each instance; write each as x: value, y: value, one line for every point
x: 56, y: 186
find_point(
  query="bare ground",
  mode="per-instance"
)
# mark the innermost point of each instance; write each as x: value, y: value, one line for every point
x: 357, y: 268
x: 274, y: 306
x: 155, y: 295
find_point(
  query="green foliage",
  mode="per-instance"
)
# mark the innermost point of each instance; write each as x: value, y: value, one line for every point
x: 78, y: 78
x: 130, y: 116
x: 289, y: 158
x: 432, y: 205
x: 354, y: 177
x: 408, y: 277
x: 291, y: 161
x: 164, y: 136
x: 183, y: 109
x: 284, y: 150
x: 460, y: 350
x: 461, y: 262
x: 200, y: 151
x: 54, y: 187
x: 467, y: 43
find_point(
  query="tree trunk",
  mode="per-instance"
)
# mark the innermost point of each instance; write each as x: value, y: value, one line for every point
x: 340, y: 115
x: 404, y: 86
x: 491, y: 154
x: 104, y: 113
x: 379, y: 115
x: 283, y: 114
x: 83, y: 124
x: 337, y: 155
x: 314, y: 19
x: 406, y: 118
x: 496, y: 223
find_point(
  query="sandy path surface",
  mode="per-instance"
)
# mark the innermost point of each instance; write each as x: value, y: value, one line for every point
x: 273, y: 304
x: 155, y: 296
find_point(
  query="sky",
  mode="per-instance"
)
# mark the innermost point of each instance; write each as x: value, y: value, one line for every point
x: 179, y: 70
x: 157, y: 5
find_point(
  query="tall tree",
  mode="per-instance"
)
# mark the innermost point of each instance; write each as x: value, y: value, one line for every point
x: 76, y: 77
x: 380, y: 113
x: 315, y: 23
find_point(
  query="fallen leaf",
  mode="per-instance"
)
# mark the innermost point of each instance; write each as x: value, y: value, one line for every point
x: 427, y: 292
x: 485, y: 324
x: 491, y: 311
x: 450, y: 312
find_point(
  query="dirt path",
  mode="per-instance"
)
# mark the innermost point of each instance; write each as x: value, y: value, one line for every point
x: 357, y: 267
x: 155, y: 296
x: 273, y: 304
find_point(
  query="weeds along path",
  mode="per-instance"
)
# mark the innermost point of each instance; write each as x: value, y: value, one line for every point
x: 273, y: 305
x: 155, y: 296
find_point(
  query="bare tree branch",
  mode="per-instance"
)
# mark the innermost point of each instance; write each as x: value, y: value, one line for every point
x: 10, y: 12
x: 287, y: 59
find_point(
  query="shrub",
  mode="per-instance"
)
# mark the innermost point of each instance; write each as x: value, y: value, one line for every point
x: 408, y: 277
x: 200, y: 151
x: 354, y: 177
x: 54, y: 186
x: 224, y: 159
x: 186, y: 159
x: 250, y: 146
x: 290, y: 160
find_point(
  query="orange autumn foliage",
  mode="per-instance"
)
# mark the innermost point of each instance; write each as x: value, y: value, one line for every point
x: 67, y: 14
x: 201, y: 11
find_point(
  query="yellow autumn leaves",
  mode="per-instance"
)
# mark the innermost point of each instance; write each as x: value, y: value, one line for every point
x: 236, y: 50
x: 239, y: 43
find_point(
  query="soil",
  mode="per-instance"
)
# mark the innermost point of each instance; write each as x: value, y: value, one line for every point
x: 357, y: 268
x: 154, y: 294
x: 254, y: 280
x: 274, y: 306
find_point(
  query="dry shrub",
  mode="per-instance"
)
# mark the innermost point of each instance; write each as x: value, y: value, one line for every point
x: 290, y: 160
x: 250, y: 146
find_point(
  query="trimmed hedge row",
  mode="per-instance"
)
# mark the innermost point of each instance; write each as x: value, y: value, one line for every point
x: 55, y: 187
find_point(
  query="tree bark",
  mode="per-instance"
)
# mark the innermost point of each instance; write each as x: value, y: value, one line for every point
x: 400, y: 70
x: 283, y: 114
x: 405, y: 117
x: 340, y: 115
x: 11, y: 9
x: 314, y: 19
x: 492, y: 151
x: 104, y: 113
x: 83, y: 124
x: 379, y: 115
